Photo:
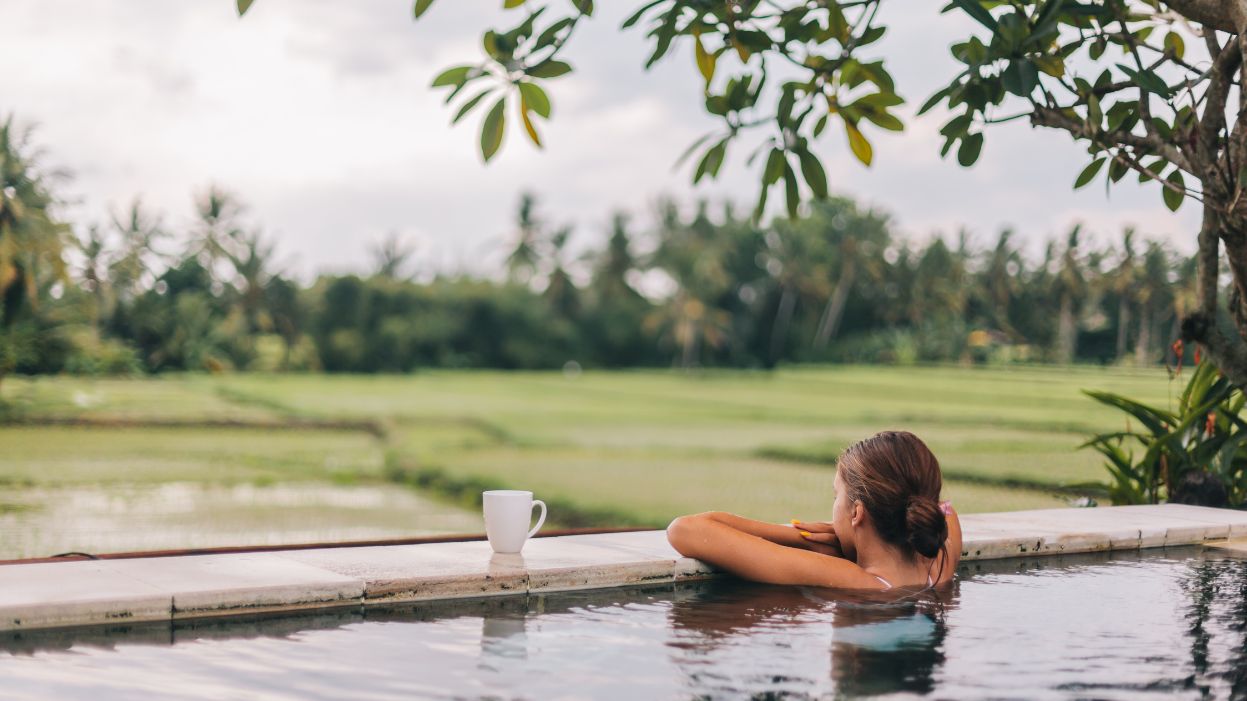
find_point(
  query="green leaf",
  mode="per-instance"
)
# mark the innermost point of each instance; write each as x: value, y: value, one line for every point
x: 243, y: 6
x: 812, y: 171
x: 467, y: 106
x: 1154, y: 419
x: 549, y: 68
x: 1089, y: 172
x: 793, y: 196
x: 453, y: 76
x: 1047, y: 17
x: 858, y: 143
x: 934, y: 100
x: 970, y: 148
x: 1173, y: 199
x: 760, y: 208
x: 689, y: 151
x: 1117, y: 170
x: 774, y: 167
x: 493, y: 128
x: 547, y: 37
x: 528, y: 126
x: 1174, y: 44
x: 636, y: 16
x: 711, y: 161
x: 509, y: 4
x: 421, y: 7
x: 705, y: 60
x: 820, y: 125
x: 535, y: 99
x: 884, y: 120
x: 978, y: 12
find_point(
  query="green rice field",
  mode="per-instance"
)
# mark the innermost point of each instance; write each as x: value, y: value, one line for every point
x: 606, y: 448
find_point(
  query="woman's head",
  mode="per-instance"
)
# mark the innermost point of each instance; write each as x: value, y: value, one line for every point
x: 896, y: 480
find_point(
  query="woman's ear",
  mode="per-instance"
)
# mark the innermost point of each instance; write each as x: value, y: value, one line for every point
x: 858, y: 513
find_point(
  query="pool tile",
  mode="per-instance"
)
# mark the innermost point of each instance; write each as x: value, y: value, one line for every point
x: 1235, y: 547
x: 212, y: 585
x: 654, y: 543
x: 46, y: 595
x: 576, y: 562
x: 398, y: 573
x: 687, y: 568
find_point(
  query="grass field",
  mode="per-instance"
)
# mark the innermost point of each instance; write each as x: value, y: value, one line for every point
x: 625, y: 447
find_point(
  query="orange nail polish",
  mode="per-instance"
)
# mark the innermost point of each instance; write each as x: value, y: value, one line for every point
x: 805, y: 533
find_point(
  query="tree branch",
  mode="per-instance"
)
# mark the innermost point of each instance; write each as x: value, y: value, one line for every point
x: 1049, y: 117
x: 1212, y: 121
x: 1229, y: 355
x: 1225, y: 15
x: 1208, y: 261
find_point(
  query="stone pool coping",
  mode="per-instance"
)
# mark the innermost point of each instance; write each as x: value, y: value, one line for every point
x: 49, y: 595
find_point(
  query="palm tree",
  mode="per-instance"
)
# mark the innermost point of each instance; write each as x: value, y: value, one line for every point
x: 797, y: 259
x: 137, y: 233
x: 391, y: 256
x: 1000, y: 280
x: 692, y: 256
x: 1124, y: 279
x: 561, y: 291
x: 93, y: 271
x: 252, y: 276
x: 858, y: 240
x: 1154, y: 297
x: 32, y: 239
x: 1070, y: 287
x: 526, y: 252
x: 610, y: 278
x: 218, y: 233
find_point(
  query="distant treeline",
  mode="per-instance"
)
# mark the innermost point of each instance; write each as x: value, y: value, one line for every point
x: 689, y: 289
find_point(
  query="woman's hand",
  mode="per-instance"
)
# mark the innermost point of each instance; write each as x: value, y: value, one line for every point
x: 819, y: 536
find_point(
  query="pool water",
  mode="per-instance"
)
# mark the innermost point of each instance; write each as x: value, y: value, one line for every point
x: 1170, y: 624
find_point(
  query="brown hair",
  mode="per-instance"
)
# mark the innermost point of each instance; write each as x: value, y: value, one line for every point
x: 897, y: 479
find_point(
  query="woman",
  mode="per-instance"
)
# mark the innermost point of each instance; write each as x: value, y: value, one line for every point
x: 888, y: 528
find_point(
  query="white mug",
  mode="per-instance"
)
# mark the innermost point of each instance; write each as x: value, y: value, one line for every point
x: 507, y: 515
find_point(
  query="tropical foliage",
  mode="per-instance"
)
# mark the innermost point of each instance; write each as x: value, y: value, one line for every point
x: 690, y: 289
x: 1196, y: 454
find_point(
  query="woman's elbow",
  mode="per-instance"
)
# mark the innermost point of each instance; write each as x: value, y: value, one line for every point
x: 682, y: 534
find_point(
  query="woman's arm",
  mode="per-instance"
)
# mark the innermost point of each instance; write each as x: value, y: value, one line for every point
x: 952, y: 545
x: 774, y: 532
x: 712, y: 538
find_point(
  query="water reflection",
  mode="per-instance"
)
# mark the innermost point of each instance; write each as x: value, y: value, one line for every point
x: 874, y: 643
x: 1217, y: 596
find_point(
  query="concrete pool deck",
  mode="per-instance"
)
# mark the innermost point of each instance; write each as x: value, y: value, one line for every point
x: 49, y: 595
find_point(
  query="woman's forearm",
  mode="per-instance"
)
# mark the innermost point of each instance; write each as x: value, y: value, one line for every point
x: 774, y: 532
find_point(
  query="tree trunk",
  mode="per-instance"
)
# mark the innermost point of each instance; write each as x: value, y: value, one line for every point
x: 1229, y: 354
x: 1067, y: 331
x: 690, y: 350
x: 779, y: 332
x: 834, y: 311
x: 1123, y: 328
x: 1143, y: 348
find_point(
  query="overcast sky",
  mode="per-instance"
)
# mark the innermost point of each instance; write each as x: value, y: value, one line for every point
x: 319, y: 115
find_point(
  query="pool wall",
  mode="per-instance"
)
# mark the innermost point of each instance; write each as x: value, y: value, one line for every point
x: 49, y: 595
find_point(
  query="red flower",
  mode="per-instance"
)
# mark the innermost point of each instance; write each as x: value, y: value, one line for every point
x: 1211, y: 423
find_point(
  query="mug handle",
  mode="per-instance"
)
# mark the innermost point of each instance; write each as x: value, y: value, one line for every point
x: 540, y: 520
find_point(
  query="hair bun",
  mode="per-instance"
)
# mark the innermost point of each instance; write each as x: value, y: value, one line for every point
x: 926, y: 528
